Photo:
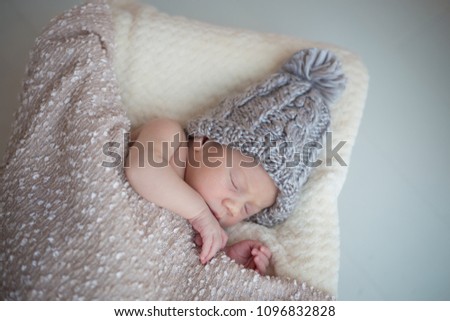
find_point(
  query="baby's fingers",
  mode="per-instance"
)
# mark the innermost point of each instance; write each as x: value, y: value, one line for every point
x: 261, y: 257
x: 261, y: 262
x: 205, y: 254
x: 265, y: 250
x: 210, y: 247
x: 198, y: 240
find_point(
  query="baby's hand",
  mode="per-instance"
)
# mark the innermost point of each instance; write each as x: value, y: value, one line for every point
x: 213, y: 237
x: 251, y: 254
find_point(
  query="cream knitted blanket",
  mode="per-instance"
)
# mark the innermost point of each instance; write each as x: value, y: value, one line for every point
x: 73, y: 228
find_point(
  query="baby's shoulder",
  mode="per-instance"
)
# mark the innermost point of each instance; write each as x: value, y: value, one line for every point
x: 162, y: 130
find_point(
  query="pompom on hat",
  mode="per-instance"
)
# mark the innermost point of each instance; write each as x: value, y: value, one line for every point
x: 279, y: 121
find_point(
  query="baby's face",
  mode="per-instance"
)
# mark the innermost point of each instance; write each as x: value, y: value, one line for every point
x: 232, y: 185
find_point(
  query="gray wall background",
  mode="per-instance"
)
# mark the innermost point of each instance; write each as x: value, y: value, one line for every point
x: 395, y: 205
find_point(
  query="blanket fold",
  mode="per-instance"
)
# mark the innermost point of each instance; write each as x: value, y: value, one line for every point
x: 72, y: 227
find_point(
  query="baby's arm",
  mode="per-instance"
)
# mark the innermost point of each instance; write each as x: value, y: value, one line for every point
x: 163, y: 186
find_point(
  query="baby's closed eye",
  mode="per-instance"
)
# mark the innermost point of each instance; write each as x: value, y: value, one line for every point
x: 233, y: 183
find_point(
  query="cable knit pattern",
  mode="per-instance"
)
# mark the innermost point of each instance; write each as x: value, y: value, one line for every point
x: 72, y: 229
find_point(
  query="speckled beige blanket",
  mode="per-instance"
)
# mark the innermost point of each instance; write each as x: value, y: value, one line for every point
x: 73, y: 228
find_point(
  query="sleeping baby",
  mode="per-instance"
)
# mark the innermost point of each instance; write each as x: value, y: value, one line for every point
x: 212, y: 189
x: 245, y: 159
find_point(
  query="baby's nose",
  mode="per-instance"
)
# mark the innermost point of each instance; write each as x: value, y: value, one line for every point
x: 233, y: 207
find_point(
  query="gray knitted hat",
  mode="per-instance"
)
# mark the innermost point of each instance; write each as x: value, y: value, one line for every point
x: 279, y: 121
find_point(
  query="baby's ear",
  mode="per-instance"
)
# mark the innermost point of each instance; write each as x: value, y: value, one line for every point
x: 199, y: 142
